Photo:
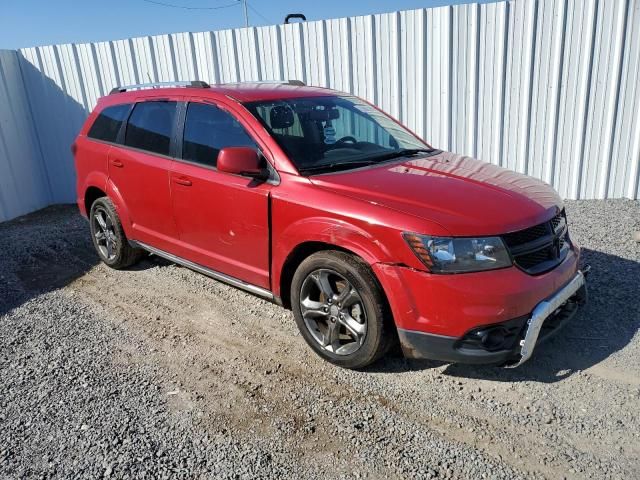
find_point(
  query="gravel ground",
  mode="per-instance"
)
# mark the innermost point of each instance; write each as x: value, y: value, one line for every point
x: 160, y: 372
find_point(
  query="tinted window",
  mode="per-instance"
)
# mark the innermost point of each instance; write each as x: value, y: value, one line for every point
x: 207, y: 130
x: 150, y: 126
x: 108, y: 122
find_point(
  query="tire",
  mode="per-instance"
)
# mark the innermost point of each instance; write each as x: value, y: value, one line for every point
x: 108, y: 237
x: 352, y: 330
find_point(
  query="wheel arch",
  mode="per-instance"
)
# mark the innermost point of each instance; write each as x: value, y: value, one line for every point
x: 293, y: 261
x: 121, y: 207
x: 309, y: 235
x: 91, y: 194
x: 94, y: 190
x: 94, y: 184
x: 305, y: 250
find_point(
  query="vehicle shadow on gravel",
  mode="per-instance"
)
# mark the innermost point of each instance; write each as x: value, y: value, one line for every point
x: 43, y: 251
x: 601, y: 328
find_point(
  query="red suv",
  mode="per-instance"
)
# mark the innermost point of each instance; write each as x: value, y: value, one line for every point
x: 319, y: 201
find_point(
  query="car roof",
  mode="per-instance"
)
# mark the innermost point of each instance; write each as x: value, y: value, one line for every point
x: 251, y: 92
x: 242, y: 92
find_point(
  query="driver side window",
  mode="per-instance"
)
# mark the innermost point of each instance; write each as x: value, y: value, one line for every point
x: 207, y: 130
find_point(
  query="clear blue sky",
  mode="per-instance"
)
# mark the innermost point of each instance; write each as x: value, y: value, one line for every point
x: 27, y: 23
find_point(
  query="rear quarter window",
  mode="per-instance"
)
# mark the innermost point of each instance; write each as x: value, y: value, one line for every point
x: 108, y: 122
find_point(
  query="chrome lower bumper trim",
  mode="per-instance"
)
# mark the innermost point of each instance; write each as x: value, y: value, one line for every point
x: 542, y: 311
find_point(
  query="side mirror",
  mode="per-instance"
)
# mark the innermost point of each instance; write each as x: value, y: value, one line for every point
x: 241, y: 161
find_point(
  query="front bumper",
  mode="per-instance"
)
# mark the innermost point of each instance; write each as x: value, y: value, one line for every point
x: 509, y: 343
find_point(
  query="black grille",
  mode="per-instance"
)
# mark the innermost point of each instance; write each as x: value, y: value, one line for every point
x: 556, y: 221
x: 532, y: 259
x: 540, y: 248
x: 526, y: 235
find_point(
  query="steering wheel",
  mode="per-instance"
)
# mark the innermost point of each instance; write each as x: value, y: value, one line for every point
x: 341, y: 142
x: 348, y: 138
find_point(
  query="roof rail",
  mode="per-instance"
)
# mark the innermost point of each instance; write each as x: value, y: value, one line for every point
x: 190, y: 84
x: 298, y: 83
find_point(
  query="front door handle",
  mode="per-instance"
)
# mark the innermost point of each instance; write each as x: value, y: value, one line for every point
x: 117, y: 163
x: 182, y: 181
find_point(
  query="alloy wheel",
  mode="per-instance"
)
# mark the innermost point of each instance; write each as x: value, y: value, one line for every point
x: 333, y: 312
x: 104, y: 233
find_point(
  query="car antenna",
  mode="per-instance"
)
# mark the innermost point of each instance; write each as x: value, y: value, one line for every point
x: 150, y: 81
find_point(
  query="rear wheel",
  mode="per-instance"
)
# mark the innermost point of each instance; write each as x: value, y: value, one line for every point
x: 108, y: 236
x: 340, y: 309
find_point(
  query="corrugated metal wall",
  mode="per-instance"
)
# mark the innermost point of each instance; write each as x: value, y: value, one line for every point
x: 24, y: 183
x: 550, y: 88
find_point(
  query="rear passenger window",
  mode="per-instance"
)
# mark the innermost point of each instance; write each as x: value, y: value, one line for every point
x: 150, y: 126
x: 207, y: 130
x: 108, y: 122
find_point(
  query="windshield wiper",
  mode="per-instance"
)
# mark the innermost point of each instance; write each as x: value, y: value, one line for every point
x: 405, y: 152
x: 337, y: 165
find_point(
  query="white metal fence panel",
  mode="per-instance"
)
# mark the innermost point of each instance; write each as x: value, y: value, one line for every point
x: 24, y: 183
x: 545, y: 87
x: 55, y: 86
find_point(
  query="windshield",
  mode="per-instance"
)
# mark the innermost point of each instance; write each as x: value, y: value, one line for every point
x: 331, y: 133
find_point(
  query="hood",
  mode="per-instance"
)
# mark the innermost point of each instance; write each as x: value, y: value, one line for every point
x: 465, y: 196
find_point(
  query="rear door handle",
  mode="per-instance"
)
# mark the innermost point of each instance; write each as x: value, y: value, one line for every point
x: 182, y: 181
x: 117, y: 163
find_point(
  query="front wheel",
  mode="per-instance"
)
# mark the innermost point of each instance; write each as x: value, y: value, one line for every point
x: 340, y: 309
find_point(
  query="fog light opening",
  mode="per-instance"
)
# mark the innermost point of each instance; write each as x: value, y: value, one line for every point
x: 493, y: 339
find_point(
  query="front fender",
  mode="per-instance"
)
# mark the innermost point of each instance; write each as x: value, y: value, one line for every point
x: 330, y: 231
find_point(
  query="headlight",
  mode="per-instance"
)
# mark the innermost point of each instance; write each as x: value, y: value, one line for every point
x: 457, y: 255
